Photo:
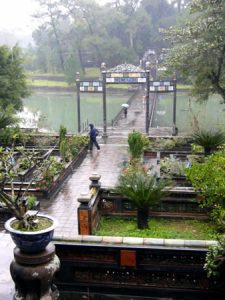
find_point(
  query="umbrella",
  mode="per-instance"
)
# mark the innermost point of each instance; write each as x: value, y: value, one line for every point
x: 160, y: 112
x: 125, y: 105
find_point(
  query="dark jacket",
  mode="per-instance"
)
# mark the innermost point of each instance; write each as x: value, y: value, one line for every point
x: 93, y: 132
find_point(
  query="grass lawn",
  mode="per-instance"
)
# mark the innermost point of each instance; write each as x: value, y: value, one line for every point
x: 47, y: 83
x: 90, y: 73
x: 64, y: 84
x: 158, y: 228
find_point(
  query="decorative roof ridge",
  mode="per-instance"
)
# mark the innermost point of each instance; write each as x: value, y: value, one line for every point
x: 126, y: 68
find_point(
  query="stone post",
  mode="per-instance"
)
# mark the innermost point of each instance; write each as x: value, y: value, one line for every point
x: 78, y: 101
x: 174, y: 129
x: 84, y: 214
x: 147, y: 118
x: 95, y: 183
x: 103, y: 70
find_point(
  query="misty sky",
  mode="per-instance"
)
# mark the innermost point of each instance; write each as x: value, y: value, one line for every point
x: 16, y: 14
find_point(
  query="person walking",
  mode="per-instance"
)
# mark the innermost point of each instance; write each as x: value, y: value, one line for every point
x: 93, y: 134
x: 125, y: 112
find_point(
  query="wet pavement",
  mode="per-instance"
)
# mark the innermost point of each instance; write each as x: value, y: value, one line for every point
x: 6, y: 256
x: 107, y: 162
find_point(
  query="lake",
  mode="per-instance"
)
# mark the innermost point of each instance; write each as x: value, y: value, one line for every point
x: 190, y: 114
x: 50, y: 110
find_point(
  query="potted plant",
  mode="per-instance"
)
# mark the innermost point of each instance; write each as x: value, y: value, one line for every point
x: 30, y: 230
x: 143, y: 191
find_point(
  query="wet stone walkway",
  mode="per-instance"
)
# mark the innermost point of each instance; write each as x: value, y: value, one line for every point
x: 107, y: 162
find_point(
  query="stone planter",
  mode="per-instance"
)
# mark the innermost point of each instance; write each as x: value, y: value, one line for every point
x: 54, y: 187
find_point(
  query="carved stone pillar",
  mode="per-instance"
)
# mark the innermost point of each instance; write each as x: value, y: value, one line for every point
x: 95, y: 183
x: 33, y: 274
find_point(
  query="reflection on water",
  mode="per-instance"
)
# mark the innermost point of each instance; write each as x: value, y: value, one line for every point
x: 55, y: 109
x: 29, y: 119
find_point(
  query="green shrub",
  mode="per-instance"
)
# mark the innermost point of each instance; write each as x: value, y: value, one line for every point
x: 70, y: 145
x: 208, y: 179
x: 137, y: 142
x: 172, y: 166
x: 215, y: 258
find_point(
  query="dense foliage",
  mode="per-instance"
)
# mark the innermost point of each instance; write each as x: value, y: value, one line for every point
x: 208, y: 179
x: 198, y: 48
x: 69, y: 146
x: 215, y: 258
x: 13, y: 87
x: 75, y: 34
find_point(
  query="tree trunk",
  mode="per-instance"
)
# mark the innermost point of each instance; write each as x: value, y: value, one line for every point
x: 142, y: 218
x: 80, y: 59
x: 207, y: 151
x: 59, y: 48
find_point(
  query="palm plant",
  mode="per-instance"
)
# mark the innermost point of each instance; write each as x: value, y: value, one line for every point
x: 209, y: 140
x: 6, y: 120
x: 143, y: 190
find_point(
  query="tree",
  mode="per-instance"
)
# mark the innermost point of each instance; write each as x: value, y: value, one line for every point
x: 13, y: 86
x: 120, y: 31
x: 198, y: 48
x: 52, y: 14
x: 162, y: 16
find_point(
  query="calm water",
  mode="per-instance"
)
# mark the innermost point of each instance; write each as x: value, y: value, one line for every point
x: 190, y: 114
x: 50, y: 110
x: 55, y: 109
